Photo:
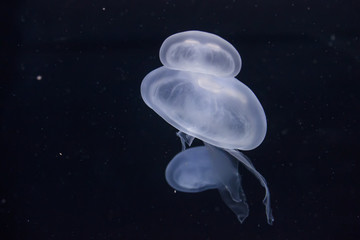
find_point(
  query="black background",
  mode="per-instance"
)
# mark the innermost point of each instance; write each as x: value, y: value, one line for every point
x: 82, y: 156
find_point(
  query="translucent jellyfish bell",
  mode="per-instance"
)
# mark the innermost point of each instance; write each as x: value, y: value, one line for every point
x: 221, y: 111
x: 202, y: 52
x: 201, y: 168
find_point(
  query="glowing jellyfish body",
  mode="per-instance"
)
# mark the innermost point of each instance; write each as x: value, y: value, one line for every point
x: 221, y: 111
x: 197, y: 51
x: 196, y: 92
x: 201, y: 168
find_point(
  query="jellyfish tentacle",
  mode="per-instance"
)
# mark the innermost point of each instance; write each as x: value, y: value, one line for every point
x: 240, y: 208
x: 230, y: 189
x: 185, y: 139
x: 246, y: 161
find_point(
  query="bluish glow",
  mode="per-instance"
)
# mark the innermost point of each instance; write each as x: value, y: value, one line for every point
x: 196, y: 92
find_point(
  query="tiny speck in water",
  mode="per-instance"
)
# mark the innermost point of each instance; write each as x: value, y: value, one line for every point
x: 38, y: 77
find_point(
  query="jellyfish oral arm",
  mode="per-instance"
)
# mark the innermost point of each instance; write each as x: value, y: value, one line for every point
x: 240, y: 208
x: 244, y: 160
x: 230, y: 189
x: 185, y: 139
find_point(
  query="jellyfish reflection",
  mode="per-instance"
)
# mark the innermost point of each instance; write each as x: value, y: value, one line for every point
x: 196, y: 92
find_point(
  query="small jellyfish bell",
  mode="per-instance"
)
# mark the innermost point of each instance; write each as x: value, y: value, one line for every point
x: 202, y: 52
x: 198, y: 169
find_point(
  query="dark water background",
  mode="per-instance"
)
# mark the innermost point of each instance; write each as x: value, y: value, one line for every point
x: 82, y: 157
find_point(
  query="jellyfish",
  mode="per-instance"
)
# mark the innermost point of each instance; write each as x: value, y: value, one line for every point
x: 201, y: 168
x: 196, y: 92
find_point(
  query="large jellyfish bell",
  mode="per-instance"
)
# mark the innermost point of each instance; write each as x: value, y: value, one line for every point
x: 196, y: 92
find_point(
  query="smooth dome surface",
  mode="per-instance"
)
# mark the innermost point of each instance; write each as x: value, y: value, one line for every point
x: 221, y: 111
x: 203, y: 52
x: 191, y: 171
